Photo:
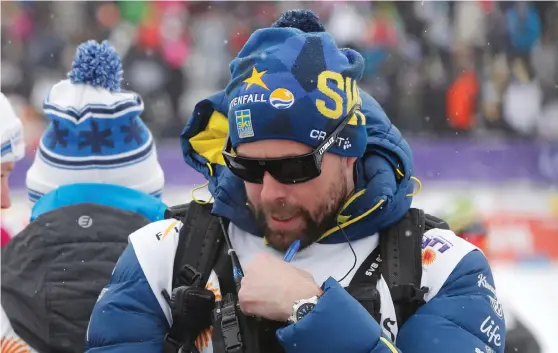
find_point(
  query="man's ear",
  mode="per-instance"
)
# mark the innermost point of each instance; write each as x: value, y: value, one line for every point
x: 350, y: 162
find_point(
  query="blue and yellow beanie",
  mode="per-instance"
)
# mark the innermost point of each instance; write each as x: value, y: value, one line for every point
x: 291, y: 82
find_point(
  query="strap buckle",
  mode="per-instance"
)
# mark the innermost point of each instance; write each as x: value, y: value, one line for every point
x: 432, y: 222
x: 188, y: 276
x: 170, y: 345
x: 408, y: 293
x: 231, y: 328
x: 177, y: 212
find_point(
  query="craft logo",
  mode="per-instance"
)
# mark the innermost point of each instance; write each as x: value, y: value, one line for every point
x: 342, y: 142
x: 437, y: 243
x: 281, y: 98
x: 244, y: 123
x: 428, y: 256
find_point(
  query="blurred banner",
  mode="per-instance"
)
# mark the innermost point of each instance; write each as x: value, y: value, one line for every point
x: 522, y: 237
x: 512, y: 187
x: 441, y: 160
x: 495, y: 161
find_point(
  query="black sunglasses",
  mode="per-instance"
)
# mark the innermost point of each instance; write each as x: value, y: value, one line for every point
x: 286, y: 170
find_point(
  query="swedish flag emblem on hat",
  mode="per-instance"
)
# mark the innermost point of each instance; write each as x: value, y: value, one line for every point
x: 244, y: 123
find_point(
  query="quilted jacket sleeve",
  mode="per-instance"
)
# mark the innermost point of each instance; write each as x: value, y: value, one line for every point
x: 463, y: 317
x: 127, y: 316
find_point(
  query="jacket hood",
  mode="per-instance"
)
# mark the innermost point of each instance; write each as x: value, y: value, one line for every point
x: 111, y: 195
x: 384, y: 185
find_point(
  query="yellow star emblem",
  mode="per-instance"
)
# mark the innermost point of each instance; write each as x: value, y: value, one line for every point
x: 256, y: 79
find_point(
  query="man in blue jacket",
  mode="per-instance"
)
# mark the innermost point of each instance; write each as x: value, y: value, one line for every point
x: 308, y: 157
x: 95, y: 179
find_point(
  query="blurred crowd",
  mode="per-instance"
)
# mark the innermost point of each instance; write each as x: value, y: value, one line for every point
x: 438, y: 68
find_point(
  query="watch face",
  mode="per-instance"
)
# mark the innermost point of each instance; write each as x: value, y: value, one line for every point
x: 303, y: 310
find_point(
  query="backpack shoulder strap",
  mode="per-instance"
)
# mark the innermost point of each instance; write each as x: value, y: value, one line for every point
x: 398, y: 259
x: 401, y: 249
x: 221, y: 261
x: 400, y: 246
x: 199, y: 243
x: 431, y: 222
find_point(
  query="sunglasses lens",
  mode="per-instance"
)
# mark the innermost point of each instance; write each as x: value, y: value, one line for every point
x: 287, y: 171
x: 294, y: 170
x: 247, y: 170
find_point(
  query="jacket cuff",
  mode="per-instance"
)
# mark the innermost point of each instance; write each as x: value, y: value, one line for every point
x: 338, y: 323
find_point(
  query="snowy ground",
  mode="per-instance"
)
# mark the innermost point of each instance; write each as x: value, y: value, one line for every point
x: 532, y: 293
x: 530, y: 290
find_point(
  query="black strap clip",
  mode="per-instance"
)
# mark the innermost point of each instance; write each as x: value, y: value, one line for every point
x: 177, y: 212
x: 408, y: 293
x: 230, y: 328
x: 431, y: 222
x: 170, y: 345
x: 188, y: 276
x: 367, y: 295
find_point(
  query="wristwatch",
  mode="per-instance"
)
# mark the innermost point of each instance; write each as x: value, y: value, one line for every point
x: 302, y: 307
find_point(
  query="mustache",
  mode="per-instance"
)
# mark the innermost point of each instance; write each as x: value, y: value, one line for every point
x: 278, y: 209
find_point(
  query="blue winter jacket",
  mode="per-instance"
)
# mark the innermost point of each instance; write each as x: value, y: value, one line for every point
x: 462, y: 314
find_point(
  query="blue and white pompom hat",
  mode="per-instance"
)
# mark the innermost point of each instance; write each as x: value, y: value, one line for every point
x: 95, y: 133
x: 11, y: 133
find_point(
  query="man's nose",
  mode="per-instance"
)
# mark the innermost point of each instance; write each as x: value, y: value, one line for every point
x: 272, y: 190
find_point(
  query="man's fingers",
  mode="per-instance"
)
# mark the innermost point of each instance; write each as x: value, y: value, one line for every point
x: 245, y: 302
x: 305, y: 274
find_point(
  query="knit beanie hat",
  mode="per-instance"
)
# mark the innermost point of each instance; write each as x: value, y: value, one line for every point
x: 95, y: 133
x: 11, y: 133
x: 291, y: 82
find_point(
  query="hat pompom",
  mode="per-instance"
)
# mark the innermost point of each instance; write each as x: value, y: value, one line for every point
x: 305, y: 20
x: 97, y: 65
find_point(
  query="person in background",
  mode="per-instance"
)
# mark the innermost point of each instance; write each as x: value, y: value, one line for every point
x: 524, y: 27
x: 95, y: 179
x: 467, y: 223
x: 12, y: 149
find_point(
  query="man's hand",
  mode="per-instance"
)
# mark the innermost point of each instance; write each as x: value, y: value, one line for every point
x: 271, y: 286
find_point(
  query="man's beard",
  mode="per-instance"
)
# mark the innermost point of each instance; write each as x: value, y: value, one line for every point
x: 323, y: 219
